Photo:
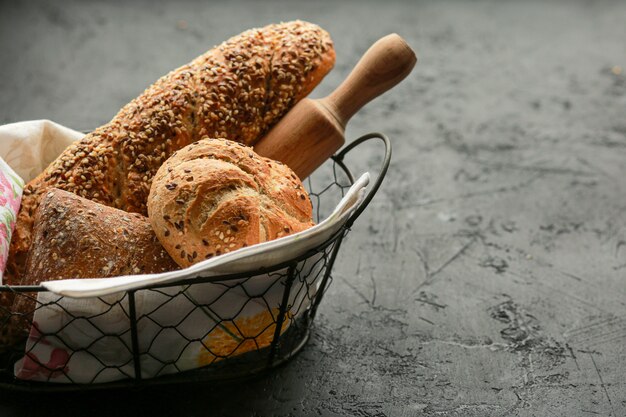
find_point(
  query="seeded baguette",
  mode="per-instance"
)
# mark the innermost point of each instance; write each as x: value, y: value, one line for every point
x: 238, y: 91
x: 216, y: 196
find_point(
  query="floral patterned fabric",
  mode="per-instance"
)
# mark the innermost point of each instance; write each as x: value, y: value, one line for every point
x: 11, y: 186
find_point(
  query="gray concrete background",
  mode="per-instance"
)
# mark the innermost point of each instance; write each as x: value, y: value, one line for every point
x: 487, y: 277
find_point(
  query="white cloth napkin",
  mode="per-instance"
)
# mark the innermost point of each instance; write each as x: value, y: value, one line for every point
x: 29, y: 147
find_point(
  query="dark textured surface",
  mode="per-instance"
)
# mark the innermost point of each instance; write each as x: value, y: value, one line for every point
x: 486, y: 279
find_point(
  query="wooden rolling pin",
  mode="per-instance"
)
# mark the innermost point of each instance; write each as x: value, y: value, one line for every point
x: 314, y: 129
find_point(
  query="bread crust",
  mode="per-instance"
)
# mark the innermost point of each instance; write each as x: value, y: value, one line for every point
x: 77, y: 238
x: 215, y: 196
x: 238, y: 90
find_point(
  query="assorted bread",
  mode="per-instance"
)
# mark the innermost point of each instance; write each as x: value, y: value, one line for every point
x: 85, y: 215
x: 216, y: 196
x: 237, y: 91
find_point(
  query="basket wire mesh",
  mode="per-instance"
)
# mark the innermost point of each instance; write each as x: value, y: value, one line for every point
x: 232, y: 347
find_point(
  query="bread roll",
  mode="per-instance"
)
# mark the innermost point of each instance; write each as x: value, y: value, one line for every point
x: 77, y: 238
x: 237, y: 90
x: 215, y: 196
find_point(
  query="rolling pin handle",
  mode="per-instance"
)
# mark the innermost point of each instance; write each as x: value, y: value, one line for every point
x: 384, y: 65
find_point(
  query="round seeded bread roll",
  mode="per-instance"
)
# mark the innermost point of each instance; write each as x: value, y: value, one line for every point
x: 215, y: 196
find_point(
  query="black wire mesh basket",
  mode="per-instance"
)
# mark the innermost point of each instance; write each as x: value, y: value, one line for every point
x: 224, y: 347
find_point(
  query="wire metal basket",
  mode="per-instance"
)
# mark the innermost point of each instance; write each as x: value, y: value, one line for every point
x: 239, y: 348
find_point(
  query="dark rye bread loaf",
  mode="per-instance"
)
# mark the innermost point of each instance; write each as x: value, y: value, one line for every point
x: 77, y: 238
x: 216, y: 196
x: 238, y: 90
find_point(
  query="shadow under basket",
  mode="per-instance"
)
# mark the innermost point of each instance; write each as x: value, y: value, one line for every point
x: 176, y: 332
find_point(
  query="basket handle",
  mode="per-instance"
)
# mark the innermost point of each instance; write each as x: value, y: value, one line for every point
x: 339, y: 157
